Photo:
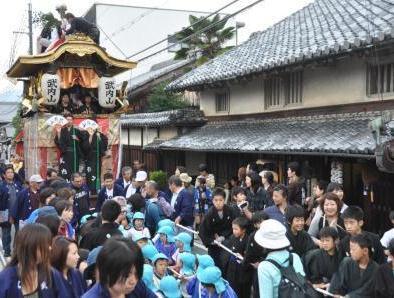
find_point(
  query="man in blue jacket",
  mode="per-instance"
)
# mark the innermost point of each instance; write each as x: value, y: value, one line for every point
x: 125, y: 180
x: 9, y: 189
x: 81, y: 198
x: 182, y: 202
x: 109, y: 191
x: 27, y: 201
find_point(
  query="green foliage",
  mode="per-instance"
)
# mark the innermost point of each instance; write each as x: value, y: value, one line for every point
x: 160, y: 100
x: 208, y: 43
x: 17, y: 121
x: 159, y: 177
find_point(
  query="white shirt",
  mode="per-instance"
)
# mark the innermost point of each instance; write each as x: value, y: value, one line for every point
x: 387, y: 238
x: 174, y: 197
x: 125, y: 183
x: 130, y: 191
x: 110, y: 193
x: 133, y: 233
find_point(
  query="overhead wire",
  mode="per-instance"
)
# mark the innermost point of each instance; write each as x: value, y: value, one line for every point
x: 188, y: 27
x: 201, y: 30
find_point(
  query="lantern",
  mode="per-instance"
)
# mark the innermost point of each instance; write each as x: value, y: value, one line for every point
x: 50, y: 87
x: 107, y: 92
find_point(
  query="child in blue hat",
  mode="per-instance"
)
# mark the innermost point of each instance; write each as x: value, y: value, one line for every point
x: 187, y: 262
x: 160, y: 266
x: 166, y: 242
x: 183, y: 243
x: 138, y: 228
x: 213, y: 285
x: 149, y: 251
x: 194, y: 285
x: 142, y: 240
x: 147, y: 278
x: 163, y: 223
x: 169, y: 288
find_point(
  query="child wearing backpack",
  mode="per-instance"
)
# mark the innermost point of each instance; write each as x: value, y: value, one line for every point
x: 279, y: 263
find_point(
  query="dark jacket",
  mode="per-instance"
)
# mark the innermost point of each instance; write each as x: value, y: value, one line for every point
x: 258, y: 200
x: 75, y: 284
x: 99, y: 235
x: 80, y: 25
x: 102, y: 196
x: 300, y: 243
x: 296, y: 192
x: 212, y: 224
x: 349, y: 281
x: 140, y: 291
x: 384, y: 281
x: 320, y: 266
x: 4, y: 193
x: 9, y: 285
x: 23, y: 207
x: 81, y: 202
x: 184, y: 207
x: 377, y: 249
x: 120, y: 182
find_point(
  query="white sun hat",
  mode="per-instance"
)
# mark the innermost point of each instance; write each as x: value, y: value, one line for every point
x: 272, y: 235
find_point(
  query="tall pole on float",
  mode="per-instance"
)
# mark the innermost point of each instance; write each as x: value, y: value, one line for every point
x: 30, y: 29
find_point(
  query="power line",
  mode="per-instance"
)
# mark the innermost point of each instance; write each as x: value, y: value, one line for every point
x: 111, y: 41
x: 135, y: 20
x: 202, y: 30
x: 190, y: 26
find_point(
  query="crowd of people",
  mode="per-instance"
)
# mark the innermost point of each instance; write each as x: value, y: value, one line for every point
x: 138, y: 238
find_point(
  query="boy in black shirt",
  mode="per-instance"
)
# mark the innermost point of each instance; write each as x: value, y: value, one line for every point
x: 217, y: 225
x: 353, y: 218
x: 355, y: 276
x: 300, y: 241
x: 322, y: 263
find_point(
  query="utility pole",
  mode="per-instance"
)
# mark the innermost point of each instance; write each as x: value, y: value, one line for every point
x: 30, y: 29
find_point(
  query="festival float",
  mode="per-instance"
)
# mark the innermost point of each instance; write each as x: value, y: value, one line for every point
x: 80, y: 72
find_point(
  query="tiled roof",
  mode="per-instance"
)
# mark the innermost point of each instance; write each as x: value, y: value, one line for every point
x: 319, y: 29
x: 187, y: 117
x: 326, y: 134
x: 155, y: 73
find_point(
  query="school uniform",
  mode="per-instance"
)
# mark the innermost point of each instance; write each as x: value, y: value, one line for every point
x: 214, y: 223
x: 351, y: 281
x: 75, y: 284
x: 384, y: 281
x: 320, y: 266
x: 377, y: 250
x: 300, y: 243
x: 107, y: 194
x: 140, y: 290
x: 237, y: 273
x: 10, y: 285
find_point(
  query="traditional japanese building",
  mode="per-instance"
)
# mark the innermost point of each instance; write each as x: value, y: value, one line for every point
x: 305, y: 89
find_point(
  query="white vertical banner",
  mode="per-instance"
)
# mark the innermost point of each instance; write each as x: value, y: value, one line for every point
x: 107, y: 92
x: 50, y: 87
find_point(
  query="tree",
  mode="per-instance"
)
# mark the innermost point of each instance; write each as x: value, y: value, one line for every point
x: 207, y: 44
x: 160, y: 100
x: 17, y: 121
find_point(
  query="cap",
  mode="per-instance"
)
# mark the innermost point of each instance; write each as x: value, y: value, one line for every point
x: 212, y: 276
x: 159, y: 256
x: 36, y: 178
x: 168, y: 231
x: 141, y: 176
x: 91, y: 260
x: 149, y: 251
x: 169, y: 287
x: 204, y: 261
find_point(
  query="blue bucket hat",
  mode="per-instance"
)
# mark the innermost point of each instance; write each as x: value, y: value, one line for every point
x: 147, y: 277
x: 168, y: 231
x: 188, y: 263
x: 139, y: 236
x: 169, y: 287
x: 186, y: 239
x: 166, y: 222
x: 204, y: 261
x: 91, y: 261
x: 87, y: 217
x: 159, y: 256
x: 138, y: 215
x: 213, y: 276
x: 149, y: 251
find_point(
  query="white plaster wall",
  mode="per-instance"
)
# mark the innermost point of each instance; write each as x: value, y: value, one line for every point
x: 167, y: 133
x: 341, y: 83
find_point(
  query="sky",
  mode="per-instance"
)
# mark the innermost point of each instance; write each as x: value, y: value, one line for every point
x: 258, y: 18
